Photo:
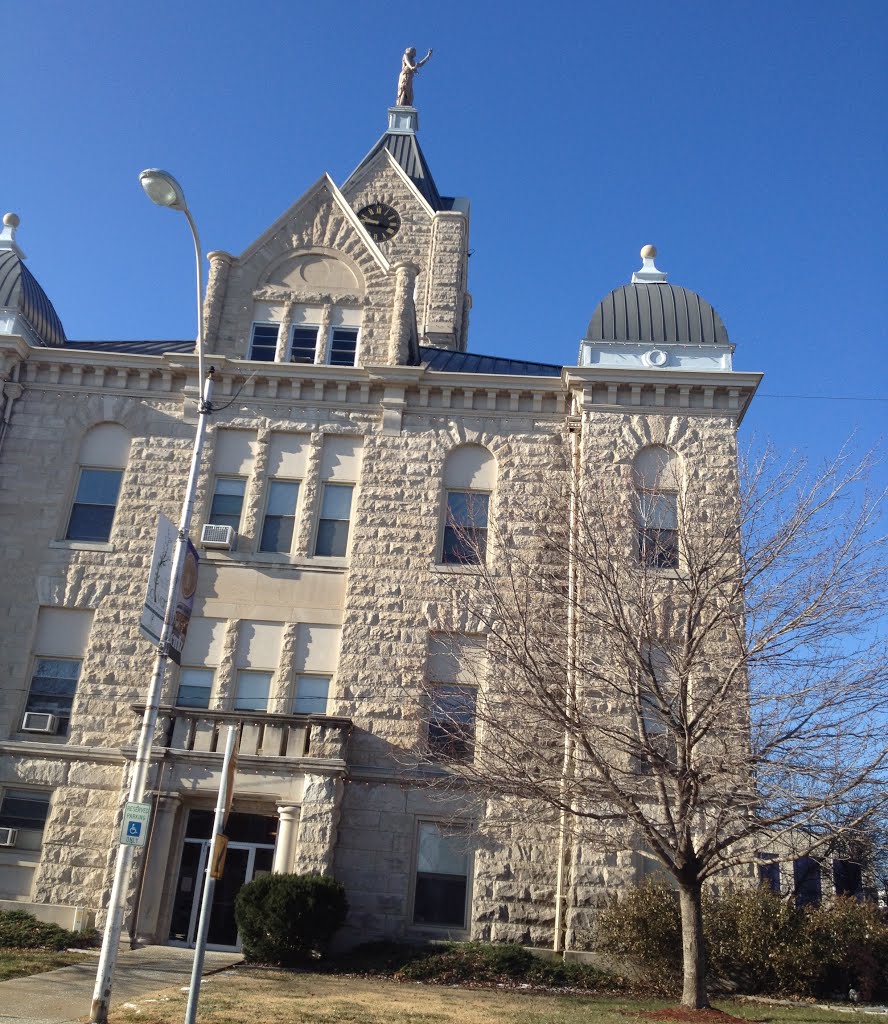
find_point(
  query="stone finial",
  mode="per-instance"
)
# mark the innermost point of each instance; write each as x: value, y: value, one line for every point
x: 648, y: 274
x: 7, y: 236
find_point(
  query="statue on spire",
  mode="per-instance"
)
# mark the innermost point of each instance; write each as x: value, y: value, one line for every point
x: 409, y: 67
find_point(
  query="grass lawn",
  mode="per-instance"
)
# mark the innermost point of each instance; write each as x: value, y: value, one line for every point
x: 245, y: 996
x: 16, y: 963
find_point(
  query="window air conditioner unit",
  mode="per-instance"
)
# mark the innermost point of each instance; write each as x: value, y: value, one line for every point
x: 212, y: 536
x: 37, y: 721
x: 8, y: 836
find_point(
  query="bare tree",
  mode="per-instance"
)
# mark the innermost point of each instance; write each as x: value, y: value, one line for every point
x: 690, y: 668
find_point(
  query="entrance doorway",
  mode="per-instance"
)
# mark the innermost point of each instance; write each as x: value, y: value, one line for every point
x: 250, y: 854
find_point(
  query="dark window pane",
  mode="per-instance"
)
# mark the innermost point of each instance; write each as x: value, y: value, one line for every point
x: 467, y: 509
x: 464, y: 546
x: 658, y: 549
x: 277, y: 534
x: 53, y: 686
x: 452, y: 723
x: 98, y: 486
x: 303, y: 345
x: 343, y: 344
x: 264, y: 342
x: 847, y: 878
x: 806, y: 879
x: 769, y: 875
x: 440, y: 900
x: 332, y: 537
x: 228, y: 501
x: 90, y: 522
x: 24, y: 809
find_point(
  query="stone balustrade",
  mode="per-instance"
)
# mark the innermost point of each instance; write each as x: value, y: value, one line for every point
x: 202, y: 731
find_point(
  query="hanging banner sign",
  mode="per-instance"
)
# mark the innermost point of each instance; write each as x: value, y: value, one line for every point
x: 159, y: 577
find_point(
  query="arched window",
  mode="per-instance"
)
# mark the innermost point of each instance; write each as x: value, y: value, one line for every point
x: 104, y: 452
x: 469, y: 479
x: 655, y: 472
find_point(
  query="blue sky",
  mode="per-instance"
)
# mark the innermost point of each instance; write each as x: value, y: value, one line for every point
x: 747, y: 141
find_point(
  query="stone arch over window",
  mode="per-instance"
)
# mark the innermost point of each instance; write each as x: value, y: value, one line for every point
x: 101, y: 461
x: 655, y: 473
x: 469, y: 481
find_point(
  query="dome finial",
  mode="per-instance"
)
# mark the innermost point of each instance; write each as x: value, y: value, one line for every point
x: 7, y: 236
x: 648, y: 274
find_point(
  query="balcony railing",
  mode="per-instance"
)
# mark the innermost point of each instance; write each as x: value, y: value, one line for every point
x: 201, y: 731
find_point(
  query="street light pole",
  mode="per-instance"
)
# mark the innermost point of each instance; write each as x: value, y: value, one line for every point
x: 164, y: 190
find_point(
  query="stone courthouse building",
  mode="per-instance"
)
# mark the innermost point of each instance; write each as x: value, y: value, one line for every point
x: 354, y: 430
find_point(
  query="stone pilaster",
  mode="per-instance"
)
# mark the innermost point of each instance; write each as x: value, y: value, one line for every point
x: 254, y: 502
x: 280, y: 353
x: 323, y: 348
x: 287, y: 833
x: 309, y: 497
x: 281, y: 685
x: 403, y: 313
x: 318, y: 821
x: 220, y: 264
x: 226, y: 673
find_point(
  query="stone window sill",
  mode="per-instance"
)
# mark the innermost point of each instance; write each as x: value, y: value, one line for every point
x: 274, y: 561
x: 82, y: 545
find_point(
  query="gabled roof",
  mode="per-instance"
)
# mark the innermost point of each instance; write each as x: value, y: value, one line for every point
x: 405, y: 150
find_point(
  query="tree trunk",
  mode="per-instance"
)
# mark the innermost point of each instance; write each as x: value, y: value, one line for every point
x: 693, y: 947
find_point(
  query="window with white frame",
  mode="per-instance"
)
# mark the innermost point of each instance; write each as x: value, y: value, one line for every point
x: 195, y: 687
x: 340, y: 468
x: 263, y: 343
x: 280, y: 516
x: 655, y: 472
x: 469, y: 479
x: 103, y: 456
x: 311, y: 695
x: 53, y: 685
x: 59, y: 644
x: 442, y: 877
x: 24, y: 809
x: 304, y: 343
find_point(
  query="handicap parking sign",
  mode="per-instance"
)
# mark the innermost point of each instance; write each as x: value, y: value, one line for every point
x: 134, y: 829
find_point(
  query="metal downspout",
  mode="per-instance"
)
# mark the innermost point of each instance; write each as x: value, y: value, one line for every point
x: 567, y: 769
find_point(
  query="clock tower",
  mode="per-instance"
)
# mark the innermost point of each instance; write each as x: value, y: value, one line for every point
x: 396, y: 199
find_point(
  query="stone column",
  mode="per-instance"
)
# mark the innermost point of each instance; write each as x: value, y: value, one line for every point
x: 280, y: 353
x: 403, y: 313
x: 254, y: 501
x: 321, y: 802
x: 159, y: 858
x: 226, y: 671
x: 220, y: 264
x: 324, y: 335
x: 282, y: 683
x: 285, y: 847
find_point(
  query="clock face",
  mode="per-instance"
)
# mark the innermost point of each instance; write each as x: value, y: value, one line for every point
x: 381, y: 221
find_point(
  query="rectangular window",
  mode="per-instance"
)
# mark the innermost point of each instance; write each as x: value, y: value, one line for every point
x: 658, y: 530
x: 228, y: 501
x: 465, y: 531
x: 280, y: 516
x: 24, y: 808
x: 263, y: 344
x: 452, y: 723
x: 195, y: 686
x: 343, y: 346
x: 769, y: 872
x: 442, y: 877
x: 303, y: 344
x: 94, y: 503
x: 53, y: 685
x: 332, y: 539
x: 806, y: 882
x: 252, y: 691
x: 847, y: 878
x: 311, y: 695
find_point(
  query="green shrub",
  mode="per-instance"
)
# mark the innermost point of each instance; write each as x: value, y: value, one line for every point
x: 20, y: 930
x: 756, y: 942
x: 484, y: 963
x: 289, y: 919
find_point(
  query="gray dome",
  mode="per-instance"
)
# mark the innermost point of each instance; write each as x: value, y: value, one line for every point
x: 656, y: 313
x: 21, y: 292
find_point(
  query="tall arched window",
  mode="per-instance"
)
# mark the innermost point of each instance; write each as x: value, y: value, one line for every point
x: 655, y: 472
x: 104, y: 452
x: 469, y: 479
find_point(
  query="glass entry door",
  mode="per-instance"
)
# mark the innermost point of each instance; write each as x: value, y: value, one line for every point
x: 243, y: 862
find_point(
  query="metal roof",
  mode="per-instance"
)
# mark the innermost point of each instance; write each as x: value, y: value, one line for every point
x: 658, y: 313
x: 133, y: 348
x: 448, y: 361
x: 408, y: 154
x: 20, y: 291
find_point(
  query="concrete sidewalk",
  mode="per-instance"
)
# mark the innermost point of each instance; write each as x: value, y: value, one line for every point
x: 66, y: 994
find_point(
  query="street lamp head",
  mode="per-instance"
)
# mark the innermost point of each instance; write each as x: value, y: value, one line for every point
x: 162, y: 188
